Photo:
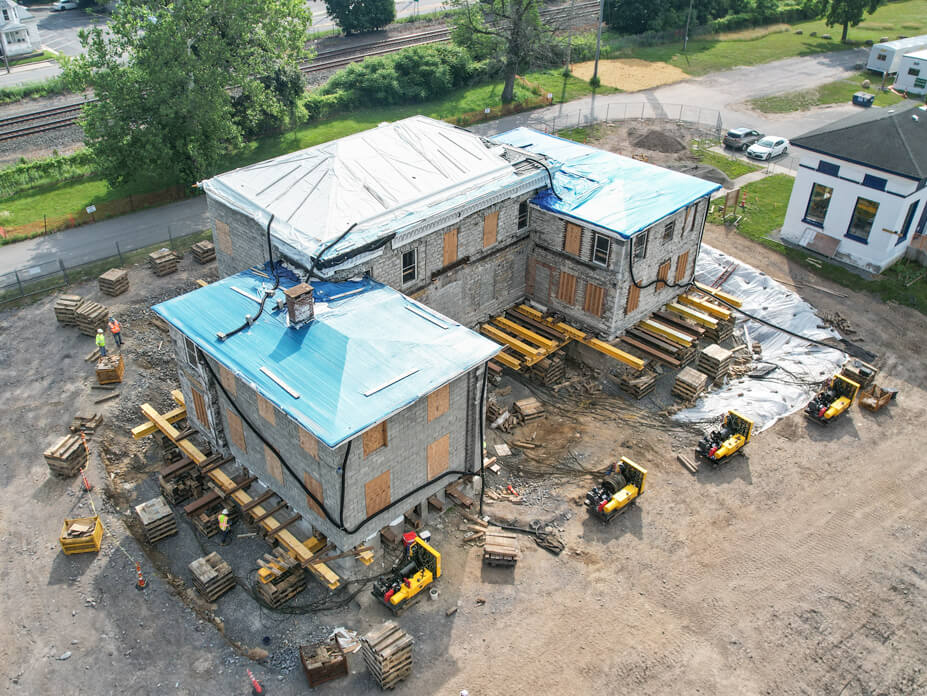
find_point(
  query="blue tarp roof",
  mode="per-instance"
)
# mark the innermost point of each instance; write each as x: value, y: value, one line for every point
x: 372, y: 340
x: 612, y: 192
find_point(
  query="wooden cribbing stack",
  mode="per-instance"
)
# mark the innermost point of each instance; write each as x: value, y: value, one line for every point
x: 689, y: 384
x: 212, y: 576
x: 500, y: 548
x: 157, y: 519
x: 387, y: 653
x: 528, y: 409
x: 549, y: 371
x: 110, y: 369
x: 163, y: 262
x: 65, y: 307
x: 715, y: 362
x: 67, y: 456
x: 86, y: 424
x: 180, y: 481
x: 91, y: 316
x: 323, y: 662
x: 114, y: 282
x: 203, y: 252
x: 280, y: 578
x: 637, y: 384
x: 204, y: 513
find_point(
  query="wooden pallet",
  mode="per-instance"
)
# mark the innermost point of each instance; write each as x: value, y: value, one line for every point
x: 387, y: 652
x: 500, y: 548
x: 549, y: 371
x: 90, y: 317
x: 67, y: 456
x: 86, y: 424
x: 163, y: 262
x: 65, y: 307
x: 114, y: 282
x: 715, y: 362
x: 157, y: 519
x: 323, y: 662
x: 279, y: 591
x: 529, y: 409
x: 689, y: 384
x: 637, y: 384
x: 212, y: 576
x: 110, y: 369
x: 203, y: 252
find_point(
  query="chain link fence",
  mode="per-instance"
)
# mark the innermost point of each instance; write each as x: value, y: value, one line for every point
x: 699, y: 118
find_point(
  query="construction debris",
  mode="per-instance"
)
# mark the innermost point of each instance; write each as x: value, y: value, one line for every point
x: 212, y: 576
x: 715, y: 362
x: 163, y: 262
x: 114, y: 282
x: 500, y: 548
x: 204, y: 252
x: 689, y: 384
x: 637, y: 384
x: 157, y: 519
x: 387, y: 653
x: 110, y: 369
x: 860, y: 372
x: 67, y: 456
x: 65, y: 307
x: 687, y: 463
x: 86, y: 424
x: 549, y: 371
x: 90, y: 317
x: 323, y: 662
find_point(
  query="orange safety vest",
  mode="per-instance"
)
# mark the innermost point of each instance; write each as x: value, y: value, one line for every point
x: 114, y: 326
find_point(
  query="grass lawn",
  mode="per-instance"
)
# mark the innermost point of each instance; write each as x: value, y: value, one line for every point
x: 710, y: 53
x: 45, y: 55
x: 839, y: 92
x: 767, y: 201
x: 733, y: 168
x: 566, y: 88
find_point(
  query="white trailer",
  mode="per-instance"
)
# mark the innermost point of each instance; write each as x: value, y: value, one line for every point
x: 886, y: 57
x: 912, y: 73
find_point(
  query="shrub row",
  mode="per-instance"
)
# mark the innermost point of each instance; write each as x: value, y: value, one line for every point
x: 45, y: 171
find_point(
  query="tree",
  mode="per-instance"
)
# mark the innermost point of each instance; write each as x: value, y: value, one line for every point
x: 167, y: 78
x: 849, y: 13
x: 509, y: 31
x: 357, y: 16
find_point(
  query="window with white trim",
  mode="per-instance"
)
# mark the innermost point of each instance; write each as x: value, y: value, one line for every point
x: 639, y: 246
x: 191, y: 351
x: 601, y: 249
x: 409, y: 266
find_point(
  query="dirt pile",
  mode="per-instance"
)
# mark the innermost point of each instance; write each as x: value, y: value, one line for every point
x: 658, y: 141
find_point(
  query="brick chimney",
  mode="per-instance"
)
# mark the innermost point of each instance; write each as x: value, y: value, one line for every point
x: 300, y: 305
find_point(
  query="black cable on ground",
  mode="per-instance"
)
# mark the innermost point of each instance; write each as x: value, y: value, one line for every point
x: 483, y: 434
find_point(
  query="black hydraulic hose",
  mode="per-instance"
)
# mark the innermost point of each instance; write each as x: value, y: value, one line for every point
x: 656, y: 280
x: 328, y: 246
x: 344, y: 482
x: 482, y: 417
x: 550, y: 177
x: 267, y: 294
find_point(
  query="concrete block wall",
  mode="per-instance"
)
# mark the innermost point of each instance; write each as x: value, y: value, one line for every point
x: 244, y: 246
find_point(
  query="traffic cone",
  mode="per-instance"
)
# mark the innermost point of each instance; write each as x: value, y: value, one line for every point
x: 87, y: 485
x: 140, y: 584
x: 256, y: 688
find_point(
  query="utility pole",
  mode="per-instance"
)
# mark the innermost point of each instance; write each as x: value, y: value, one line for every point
x: 598, y: 42
x: 6, y: 58
x: 570, y: 38
x: 685, y: 41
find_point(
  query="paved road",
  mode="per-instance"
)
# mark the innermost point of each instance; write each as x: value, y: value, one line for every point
x: 725, y: 91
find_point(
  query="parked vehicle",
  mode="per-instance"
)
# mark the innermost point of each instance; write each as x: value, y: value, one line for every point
x: 769, y: 147
x: 64, y: 5
x: 741, y: 138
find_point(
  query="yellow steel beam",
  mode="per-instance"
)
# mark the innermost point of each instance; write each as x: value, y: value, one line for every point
x: 149, y: 428
x: 675, y: 336
x: 707, y: 307
x: 720, y: 294
x: 508, y: 361
x: 613, y: 352
x: 510, y: 341
x: 299, y: 550
x: 527, y: 334
x: 693, y: 314
x: 535, y: 314
x: 177, y: 396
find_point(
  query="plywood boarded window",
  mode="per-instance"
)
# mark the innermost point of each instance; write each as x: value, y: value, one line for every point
x: 438, y: 402
x: 308, y: 442
x: 490, y: 229
x: 315, y: 487
x: 566, y: 289
x: 227, y: 377
x: 450, y: 247
x: 199, y: 407
x: 439, y: 453
x: 375, y: 438
x: 274, y: 468
x: 634, y: 295
x: 572, y: 239
x: 266, y: 409
x: 223, y: 237
x: 595, y: 300
x: 377, y: 493
x: 663, y: 274
x: 236, y: 434
x: 681, y: 262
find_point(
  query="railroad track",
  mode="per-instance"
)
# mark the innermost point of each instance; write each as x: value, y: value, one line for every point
x: 64, y: 116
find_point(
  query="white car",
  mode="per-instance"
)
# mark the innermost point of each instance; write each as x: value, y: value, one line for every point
x: 64, y: 5
x: 769, y: 147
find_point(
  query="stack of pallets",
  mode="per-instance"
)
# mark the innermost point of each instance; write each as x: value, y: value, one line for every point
x: 212, y: 576
x: 67, y: 456
x: 91, y: 316
x: 110, y: 369
x: 723, y: 332
x: 500, y: 548
x: 280, y: 579
x: 528, y: 409
x: 715, y: 362
x: 163, y: 262
x: 637, y: 384
x: 549, y: 371
x: 86, y: 424
x: 114, y: 282
x: 323, y: 662
x: 689, y: 384
x: 180, y: 481
x: 65, y: 307
x: 666, y: 342
x: 204, y: 252
x: 388, y: 654
x: 157, y: 519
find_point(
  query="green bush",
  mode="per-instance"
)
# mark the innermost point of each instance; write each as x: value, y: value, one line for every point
x: 358, y: 16
x: 21, y: 177
x: 53, y: 85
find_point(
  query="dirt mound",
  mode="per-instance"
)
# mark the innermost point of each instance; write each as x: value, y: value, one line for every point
x: 704, y: 171
x: 658, y: 141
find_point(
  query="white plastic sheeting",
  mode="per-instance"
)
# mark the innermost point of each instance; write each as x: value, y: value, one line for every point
x: 801, y: 366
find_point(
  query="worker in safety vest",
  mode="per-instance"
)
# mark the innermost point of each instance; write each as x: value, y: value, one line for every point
x: 116, y: 330
x: 224, y: 525
x: 101, y: 342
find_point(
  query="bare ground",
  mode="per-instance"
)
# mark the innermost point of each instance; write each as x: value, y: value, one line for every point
x: 798, y: 569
